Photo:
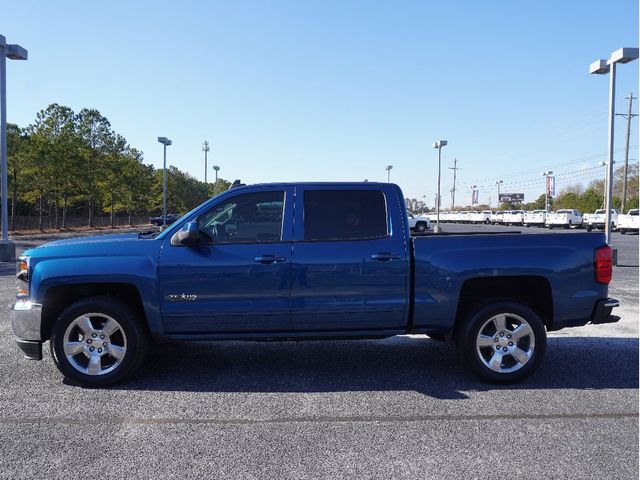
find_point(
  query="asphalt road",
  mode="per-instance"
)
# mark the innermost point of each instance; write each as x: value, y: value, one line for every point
x: 398, y: 408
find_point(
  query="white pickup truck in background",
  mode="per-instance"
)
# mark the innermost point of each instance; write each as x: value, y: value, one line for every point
x: 564, y: 218
x: 481, y: 217
x: 629, y: 222
x: 418, y: 223
x: 514, y: 217
x: 535, y: 218
x: 598, y: 219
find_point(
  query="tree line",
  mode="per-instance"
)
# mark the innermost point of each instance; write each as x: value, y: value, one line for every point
x: 67, y: 163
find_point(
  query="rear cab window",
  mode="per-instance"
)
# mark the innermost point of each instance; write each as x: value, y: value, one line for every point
x: 334, y: 215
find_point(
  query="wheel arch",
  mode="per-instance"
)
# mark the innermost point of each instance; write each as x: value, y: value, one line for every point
x: 59, y: 297
x: 529, y: 290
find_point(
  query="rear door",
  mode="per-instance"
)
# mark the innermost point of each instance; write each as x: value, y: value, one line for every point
x: 350, y: 262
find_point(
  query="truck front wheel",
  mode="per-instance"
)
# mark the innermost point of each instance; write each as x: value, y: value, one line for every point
x: 98, y: 341
x: 503, y: 342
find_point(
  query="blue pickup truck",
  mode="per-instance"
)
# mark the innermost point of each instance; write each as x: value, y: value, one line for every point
x: 306, y: 261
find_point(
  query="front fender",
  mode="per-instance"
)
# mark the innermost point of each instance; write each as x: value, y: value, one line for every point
x: 138, y: 271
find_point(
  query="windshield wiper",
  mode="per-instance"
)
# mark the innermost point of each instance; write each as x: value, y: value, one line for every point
x: 148, y: 234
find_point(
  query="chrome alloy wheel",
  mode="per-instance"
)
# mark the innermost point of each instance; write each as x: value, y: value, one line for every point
x: 505, y: 343
x: 95, y: 344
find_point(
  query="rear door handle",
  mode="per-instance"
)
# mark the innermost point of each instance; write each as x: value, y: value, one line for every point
x: 385, y: 256
x: 267, y: 259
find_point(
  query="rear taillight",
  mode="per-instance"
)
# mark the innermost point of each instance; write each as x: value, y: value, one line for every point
x: 604, y: 264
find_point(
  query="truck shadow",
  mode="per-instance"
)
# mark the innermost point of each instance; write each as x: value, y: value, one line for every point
x: 395, y: 364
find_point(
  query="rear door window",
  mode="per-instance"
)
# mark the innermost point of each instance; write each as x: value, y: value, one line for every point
x: 344, y: 215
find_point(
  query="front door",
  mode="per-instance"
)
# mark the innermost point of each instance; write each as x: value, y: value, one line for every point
x: 241, y: 280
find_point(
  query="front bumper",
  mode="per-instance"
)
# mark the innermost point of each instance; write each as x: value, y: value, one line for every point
x: 26, y: 321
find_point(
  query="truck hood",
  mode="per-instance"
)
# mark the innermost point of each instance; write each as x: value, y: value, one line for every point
x: 124, y: 244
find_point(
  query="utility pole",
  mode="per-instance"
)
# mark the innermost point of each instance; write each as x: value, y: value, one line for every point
x: 628, y: 116
x: 453, y: 190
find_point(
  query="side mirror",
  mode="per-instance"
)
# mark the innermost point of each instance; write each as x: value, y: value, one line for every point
x: 188, y: 235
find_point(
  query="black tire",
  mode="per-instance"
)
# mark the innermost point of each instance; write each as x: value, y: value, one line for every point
x: 623, y: 231
x: 550, y: 227
x: 487, y: 221
x: 476, y: 319
x: 589, y: 228
x: 137, y: 340
x: 421, y: 227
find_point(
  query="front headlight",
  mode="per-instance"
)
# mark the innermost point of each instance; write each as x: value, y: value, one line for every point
x: 22, y: 277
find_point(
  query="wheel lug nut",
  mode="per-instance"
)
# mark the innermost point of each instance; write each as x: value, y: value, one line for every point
x: 94, y: 335
x: 508, y: 336
x: 102, y: 337
x: 497, y: 347
x: 88, y: 340
x: 91, y: 349
x: 99, y: 350
x: 502, y: 334
x: 511, y: 344
x: 504, y: 348
x: 495, y: 339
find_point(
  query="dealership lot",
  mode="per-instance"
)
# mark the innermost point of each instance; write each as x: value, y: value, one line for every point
x: 402, y: 407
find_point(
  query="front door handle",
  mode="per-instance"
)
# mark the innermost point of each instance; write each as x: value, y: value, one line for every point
x: 385, y: 256
x: 268, y: 259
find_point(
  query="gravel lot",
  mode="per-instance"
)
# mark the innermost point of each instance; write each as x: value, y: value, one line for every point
x: 398, y: 408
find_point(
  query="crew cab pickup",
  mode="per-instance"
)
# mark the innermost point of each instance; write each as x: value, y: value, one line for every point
x: 536, y: 218
x: 418, y: 223
x: 629, y: 222
x: 564, y: 218
x: 599, y: 218
x: 305, y: 261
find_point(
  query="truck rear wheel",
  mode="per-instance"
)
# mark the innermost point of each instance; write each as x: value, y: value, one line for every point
x: 98, y: 341
x: 503, y: 342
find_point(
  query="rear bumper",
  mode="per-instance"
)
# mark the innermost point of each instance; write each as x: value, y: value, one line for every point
x: 601, y: 314
x: 602, y: 311
x: 26, y: 320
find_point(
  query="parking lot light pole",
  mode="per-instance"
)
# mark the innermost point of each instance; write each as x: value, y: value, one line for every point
x: 388, y: 169
x: 166, y: 142
x: 602, y: 67
x: 439, y: 144
x: 546, y: 189
x: 205, y: 149
x: 12, y: 52
x: 498, y: 185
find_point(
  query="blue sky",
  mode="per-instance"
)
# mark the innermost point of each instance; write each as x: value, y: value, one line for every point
x: 337, y: 90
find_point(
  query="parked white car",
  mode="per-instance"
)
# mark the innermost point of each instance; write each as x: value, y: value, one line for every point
x: 598, y: 219
x: 535, y: 218
x: 514, y: 217
x: 418, y: 223
x: 481, y: 217
x: 564, y: 218
x: 629, y: 222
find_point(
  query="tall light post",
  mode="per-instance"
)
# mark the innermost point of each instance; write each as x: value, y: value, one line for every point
x: 498, y: 185
x: 439, y: 144
x: 546, y: 174
x: 12, y: 52
x: 602, y: 67
x: 216, y: 169
x: 166, y: 142
x: 205, y: 149
x: 388, y: 169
